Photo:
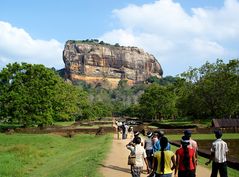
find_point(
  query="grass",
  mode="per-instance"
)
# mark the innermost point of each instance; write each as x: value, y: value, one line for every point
x: 205, y: 136
x: 4, y: 126
x: 64, y: 123
x: 202, y: 160
x: 25, y: 155
x: 202, y: 123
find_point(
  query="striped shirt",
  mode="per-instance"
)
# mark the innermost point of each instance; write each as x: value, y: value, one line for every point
x: 219, y: 147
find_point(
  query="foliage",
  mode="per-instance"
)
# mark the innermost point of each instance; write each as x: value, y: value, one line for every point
x: 132, y: 111
x: 157, y: 102
x: 35, y: 95
x: 162, y: 81
x: 211, y: 90
x: 117, y: 45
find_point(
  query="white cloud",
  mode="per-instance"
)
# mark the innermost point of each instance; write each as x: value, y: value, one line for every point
x: 207, y: 48
x: 16, y: 45
x: 179, y: 39
x: 124, y: 37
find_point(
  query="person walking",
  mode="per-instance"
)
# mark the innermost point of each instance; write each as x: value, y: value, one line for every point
x: 124, y: 130
x: 119, y: 130
x: 148, y: 146
x: 185, y: 160
x: 131, y: 132
x: 140, y: 154
x: 219, y: 150
x: 162, y: 160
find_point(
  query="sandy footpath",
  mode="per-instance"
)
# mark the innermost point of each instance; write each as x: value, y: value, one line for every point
x: 115, y: 164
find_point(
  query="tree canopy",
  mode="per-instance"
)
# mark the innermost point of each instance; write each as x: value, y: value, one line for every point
x: 35, y: 95
x: 32, y: 94
x: 211, y: 90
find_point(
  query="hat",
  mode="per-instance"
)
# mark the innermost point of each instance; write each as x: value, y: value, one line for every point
x: 185, y: 140
x: 136, y: 133
x: 187, y: 132
x: 149, y: 134
x: 161, y: 133
x: 218, y: 133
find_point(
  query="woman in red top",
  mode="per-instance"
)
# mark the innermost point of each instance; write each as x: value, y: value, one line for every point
x: 185, y: 162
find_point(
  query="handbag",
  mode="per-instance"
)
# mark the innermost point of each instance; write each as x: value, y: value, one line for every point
x: 132, y: 158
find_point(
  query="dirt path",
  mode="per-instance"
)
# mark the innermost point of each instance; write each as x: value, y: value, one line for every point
x: 115, y: 164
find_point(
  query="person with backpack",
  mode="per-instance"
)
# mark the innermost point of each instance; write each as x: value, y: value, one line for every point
x: 185, y: 159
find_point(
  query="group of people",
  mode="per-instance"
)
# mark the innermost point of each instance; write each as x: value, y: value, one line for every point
x: 160, y: 161
x: 123, y: 129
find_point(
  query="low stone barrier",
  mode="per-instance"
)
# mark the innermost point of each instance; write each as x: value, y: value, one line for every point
x: 90, y: 130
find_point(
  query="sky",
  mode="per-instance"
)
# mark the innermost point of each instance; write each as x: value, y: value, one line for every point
x: 179, y: 33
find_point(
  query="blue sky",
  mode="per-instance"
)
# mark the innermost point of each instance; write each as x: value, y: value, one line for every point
x: 179, y: 33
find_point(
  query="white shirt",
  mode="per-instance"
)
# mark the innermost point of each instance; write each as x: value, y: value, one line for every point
x: 140, y: 154
x: 219, y: 147
x: 193, y: 144
x: 148, y: 144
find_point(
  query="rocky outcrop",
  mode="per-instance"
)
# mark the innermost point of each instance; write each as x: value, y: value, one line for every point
x: 94, y: 62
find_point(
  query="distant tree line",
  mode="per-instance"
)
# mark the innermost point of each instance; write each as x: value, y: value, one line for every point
x: 35, y: 95
x: 96, y: 41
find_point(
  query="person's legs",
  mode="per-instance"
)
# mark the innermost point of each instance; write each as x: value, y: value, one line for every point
x: 164, y: 175
x: 149, y: 154
x: 191, y: 173
x: 223, y: 169
x: 136, y: 171
x: 186, y: 173
x: 181, y: 173
x: 215, y: 168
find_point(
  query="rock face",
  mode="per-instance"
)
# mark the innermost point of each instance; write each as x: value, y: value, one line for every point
x: 94, y: 63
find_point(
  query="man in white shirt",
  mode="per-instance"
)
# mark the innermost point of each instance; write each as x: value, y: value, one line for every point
x: 140, y: 153
x: 219, y: 151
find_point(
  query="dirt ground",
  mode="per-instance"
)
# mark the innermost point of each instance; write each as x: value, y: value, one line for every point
x: 115, y: 164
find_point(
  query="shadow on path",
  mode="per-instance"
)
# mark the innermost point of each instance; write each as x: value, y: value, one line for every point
x: 126, y: 170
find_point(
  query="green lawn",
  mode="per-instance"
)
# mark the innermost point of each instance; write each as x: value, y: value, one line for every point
x: 27, y: 155
x: 202, y: 123
x: 205, y: 136
x: 69, y: 123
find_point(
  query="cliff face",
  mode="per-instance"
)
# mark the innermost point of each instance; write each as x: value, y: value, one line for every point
x: 94, y: 62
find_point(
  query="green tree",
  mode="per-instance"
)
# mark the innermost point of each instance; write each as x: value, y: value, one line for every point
x: 34, y: 95
x: 157, y: 102
x: 162, y: 81
x: 212, y: 90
